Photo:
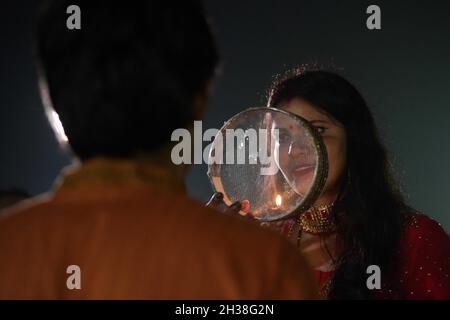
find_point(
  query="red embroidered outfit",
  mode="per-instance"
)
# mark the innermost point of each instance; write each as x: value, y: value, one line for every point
x: 423, y: 266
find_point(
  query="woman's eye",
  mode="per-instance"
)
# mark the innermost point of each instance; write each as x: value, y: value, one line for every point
x: 285, y: 138
x: 321, y: 129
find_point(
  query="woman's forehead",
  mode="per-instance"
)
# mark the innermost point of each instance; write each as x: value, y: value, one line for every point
x: 310, y: 112
x: 305, y: 110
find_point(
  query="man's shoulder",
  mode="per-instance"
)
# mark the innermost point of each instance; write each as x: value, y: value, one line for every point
x: 134, y: 208
x: 24, y: 211
x: 194, y: 246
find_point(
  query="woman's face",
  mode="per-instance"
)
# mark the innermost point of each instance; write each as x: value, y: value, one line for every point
x: 334, y: 137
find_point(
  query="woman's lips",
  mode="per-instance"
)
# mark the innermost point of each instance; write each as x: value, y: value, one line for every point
x: 303, y: 170
x: 304, y: 167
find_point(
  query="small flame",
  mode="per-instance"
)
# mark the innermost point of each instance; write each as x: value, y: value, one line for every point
x: 278, y: 201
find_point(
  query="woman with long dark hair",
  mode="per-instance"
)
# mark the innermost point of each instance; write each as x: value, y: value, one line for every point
x: 364, y: 220
x: 361, y: 219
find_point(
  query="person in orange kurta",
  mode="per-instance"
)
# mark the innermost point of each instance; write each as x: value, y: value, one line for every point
x: 120, y: 225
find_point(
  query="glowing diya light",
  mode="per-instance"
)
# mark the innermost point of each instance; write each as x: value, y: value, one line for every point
x: 278, y: 201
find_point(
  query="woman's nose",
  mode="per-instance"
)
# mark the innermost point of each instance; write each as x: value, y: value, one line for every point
x: 300, y: 150
x: 295, y: 150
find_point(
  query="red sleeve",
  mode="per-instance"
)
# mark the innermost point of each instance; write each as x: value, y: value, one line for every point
x: 424, y: 260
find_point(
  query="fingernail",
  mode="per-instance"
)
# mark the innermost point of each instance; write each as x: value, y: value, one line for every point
x: 245, y: 205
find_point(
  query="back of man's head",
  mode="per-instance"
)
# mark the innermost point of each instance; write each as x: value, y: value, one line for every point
x: 129, y: 76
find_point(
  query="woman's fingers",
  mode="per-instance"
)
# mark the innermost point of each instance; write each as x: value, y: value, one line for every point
x: 245, y: 206
x: 239, y: 207
x: 245, y: 210
x: 234, y: 208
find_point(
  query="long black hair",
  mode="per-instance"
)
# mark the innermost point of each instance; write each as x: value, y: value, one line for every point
x: 374, y: 211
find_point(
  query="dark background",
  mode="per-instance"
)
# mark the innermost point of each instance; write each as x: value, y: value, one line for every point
x: 402, y: 70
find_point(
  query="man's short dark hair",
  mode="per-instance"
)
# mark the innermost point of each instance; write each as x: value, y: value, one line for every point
x: 124, y: 81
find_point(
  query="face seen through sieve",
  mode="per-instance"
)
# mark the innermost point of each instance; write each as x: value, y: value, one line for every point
x: 295, y: 155
x: 290, y: 143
